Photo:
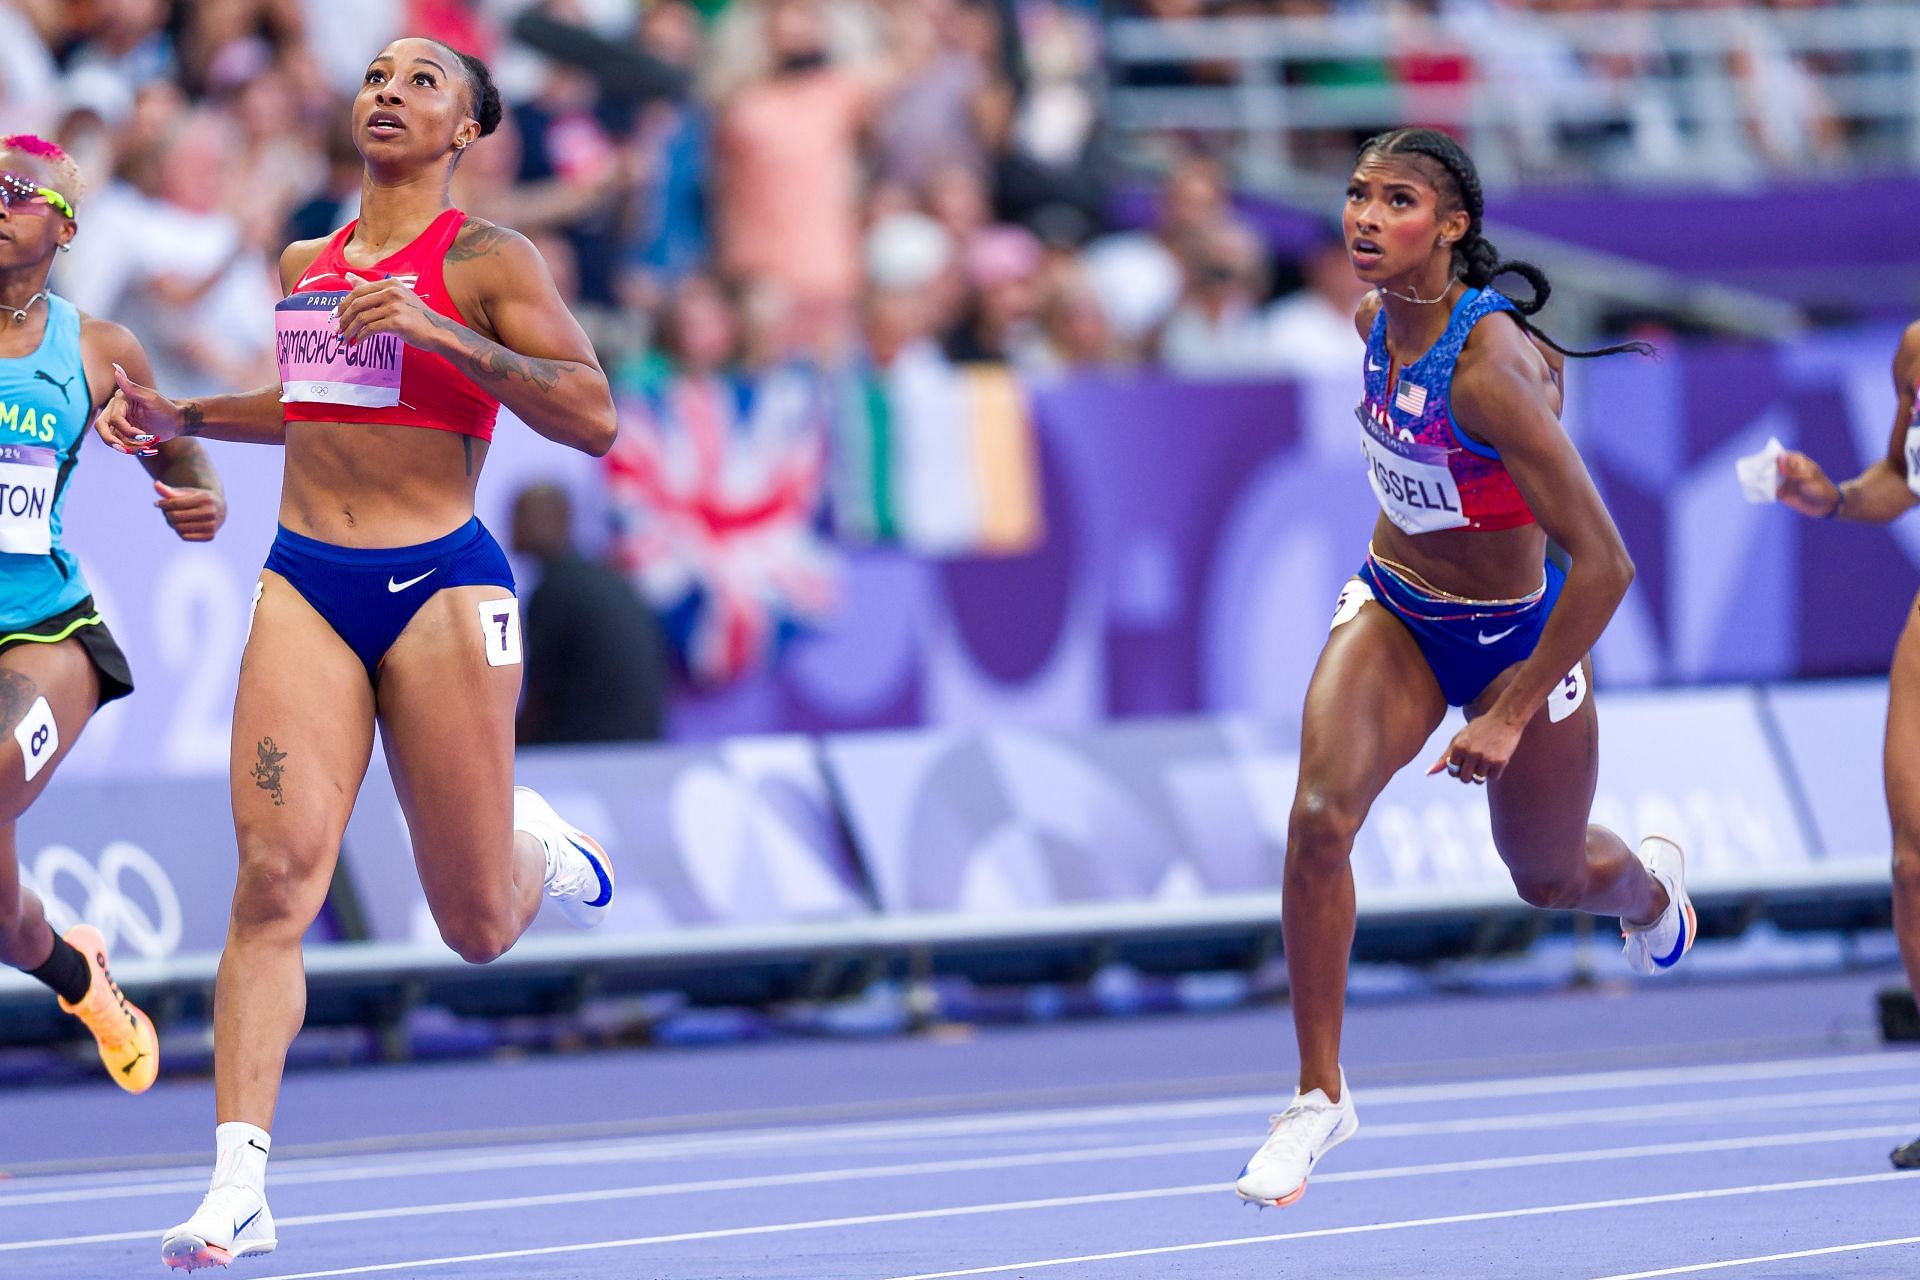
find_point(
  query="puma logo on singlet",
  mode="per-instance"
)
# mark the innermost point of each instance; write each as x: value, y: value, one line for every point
x: 46, y: 377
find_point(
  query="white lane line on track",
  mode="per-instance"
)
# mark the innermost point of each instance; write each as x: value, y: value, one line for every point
x: 1536, y: 1160
x: 1695, y: 1110
x: 1859, y: 1247
x: 811, y: 1138
x: 822, y: 1224
x: 1456, y: 1219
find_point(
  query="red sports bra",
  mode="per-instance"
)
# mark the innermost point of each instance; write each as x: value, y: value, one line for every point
x: 378, y: 379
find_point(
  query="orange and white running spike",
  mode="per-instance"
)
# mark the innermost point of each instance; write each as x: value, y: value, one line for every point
x: 128, y: 1045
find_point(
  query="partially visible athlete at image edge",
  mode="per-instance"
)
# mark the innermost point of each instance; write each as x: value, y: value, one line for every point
x: 58, y: 662
x: 1456, y: 604
x: 1886, y: 490
x: 383, y: 598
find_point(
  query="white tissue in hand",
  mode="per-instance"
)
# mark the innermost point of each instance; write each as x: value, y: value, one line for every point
x: 1760, y: 472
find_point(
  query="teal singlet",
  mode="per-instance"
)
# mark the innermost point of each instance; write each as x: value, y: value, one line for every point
x: 44, y: 411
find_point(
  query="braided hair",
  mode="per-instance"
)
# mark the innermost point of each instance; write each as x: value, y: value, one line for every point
x: 1475, y: 260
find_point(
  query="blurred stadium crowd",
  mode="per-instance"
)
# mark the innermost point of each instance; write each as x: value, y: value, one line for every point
x: 730, y: 181
x: 736, y: 183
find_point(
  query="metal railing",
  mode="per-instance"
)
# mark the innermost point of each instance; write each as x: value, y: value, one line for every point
x: 1721, y: 94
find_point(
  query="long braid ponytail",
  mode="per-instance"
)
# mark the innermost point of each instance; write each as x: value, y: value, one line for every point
x: 1475, y: 260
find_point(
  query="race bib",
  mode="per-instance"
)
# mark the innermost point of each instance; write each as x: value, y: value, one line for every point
x: 38, y: 736
x: 500, y: 627
x: 28, y: 474
x: 1353, y: 598
x: 1413, y: 483
x: 1568, y: 695
x: 1913, y: 458
x: 318, y: 367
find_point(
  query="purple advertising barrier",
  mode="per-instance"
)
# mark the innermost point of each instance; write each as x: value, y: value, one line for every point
x: 1167, y: 811
x: 1833, y: 733
x: 151, y: 862
x: 738, y: 833
x: 1011, y: 820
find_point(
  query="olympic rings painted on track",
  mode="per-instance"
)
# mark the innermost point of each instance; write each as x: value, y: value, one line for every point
x: 123, y: 919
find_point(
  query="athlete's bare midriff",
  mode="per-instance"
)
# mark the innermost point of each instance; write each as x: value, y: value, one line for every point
x: 378, y: 485
x: 1480, y: 564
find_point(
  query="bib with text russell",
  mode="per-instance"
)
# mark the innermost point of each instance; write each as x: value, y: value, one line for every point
x: 28, y: 474
x: 1413, y: 482
x: 318, y: 367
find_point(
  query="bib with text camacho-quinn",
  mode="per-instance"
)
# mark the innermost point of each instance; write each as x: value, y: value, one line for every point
x: 318, y: 366
x: 28, y: 475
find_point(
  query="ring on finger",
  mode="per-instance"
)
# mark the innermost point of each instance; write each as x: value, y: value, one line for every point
x: 1453, y: 768
x: 1480, y: 777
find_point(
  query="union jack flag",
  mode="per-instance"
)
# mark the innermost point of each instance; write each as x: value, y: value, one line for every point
x: 714, y: 485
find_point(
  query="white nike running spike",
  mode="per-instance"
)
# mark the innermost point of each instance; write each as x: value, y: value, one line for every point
x: 1655, y: 947
x: 579, y: 872
x: 233, y: 1222
x: 1299, y: 1136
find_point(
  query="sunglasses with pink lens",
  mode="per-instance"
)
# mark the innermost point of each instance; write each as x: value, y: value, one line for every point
x: 18, y: 191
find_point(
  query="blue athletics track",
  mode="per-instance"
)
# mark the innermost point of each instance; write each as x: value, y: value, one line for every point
x: 1736, y: 1128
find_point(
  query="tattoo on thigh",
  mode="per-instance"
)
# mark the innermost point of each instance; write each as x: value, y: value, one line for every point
x: 267, y: 773
x: 17, y: 692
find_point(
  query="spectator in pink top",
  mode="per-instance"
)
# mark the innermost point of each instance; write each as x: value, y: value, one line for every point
x: 787, y: 169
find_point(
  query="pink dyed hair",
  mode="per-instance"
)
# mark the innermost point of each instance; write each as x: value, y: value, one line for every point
x: 66, y: 172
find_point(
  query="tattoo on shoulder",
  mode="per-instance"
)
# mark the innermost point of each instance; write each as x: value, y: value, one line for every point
x: 17, y: 692
x: 269, y: 771
x: 478, y: 240
x: 192, y: 418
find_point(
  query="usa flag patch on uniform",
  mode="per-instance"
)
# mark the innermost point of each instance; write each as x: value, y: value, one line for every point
x: 1410, y: 399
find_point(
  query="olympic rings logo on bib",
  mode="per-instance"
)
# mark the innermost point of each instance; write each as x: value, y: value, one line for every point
x: 148, y: 921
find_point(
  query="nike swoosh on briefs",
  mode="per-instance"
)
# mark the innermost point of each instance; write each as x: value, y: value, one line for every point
x: 1496, y: 639
x: 402, y: 586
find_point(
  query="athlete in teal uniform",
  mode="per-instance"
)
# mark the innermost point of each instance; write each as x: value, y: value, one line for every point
x: 58, y: 662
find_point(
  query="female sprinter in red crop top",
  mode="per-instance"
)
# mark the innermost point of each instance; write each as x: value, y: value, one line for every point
x: 1455, y: 604
x: 383, y: 598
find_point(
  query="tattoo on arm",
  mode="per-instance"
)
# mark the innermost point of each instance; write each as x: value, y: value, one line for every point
x: 192, y: 418
x: 269, y: 770
x: 494, y: 360
x: 17, y: 692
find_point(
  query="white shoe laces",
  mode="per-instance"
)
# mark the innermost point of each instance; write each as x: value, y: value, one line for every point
x: 1298, y: 1137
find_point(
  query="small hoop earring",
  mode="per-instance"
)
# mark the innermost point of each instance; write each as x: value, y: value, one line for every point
x: 66, y: 248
